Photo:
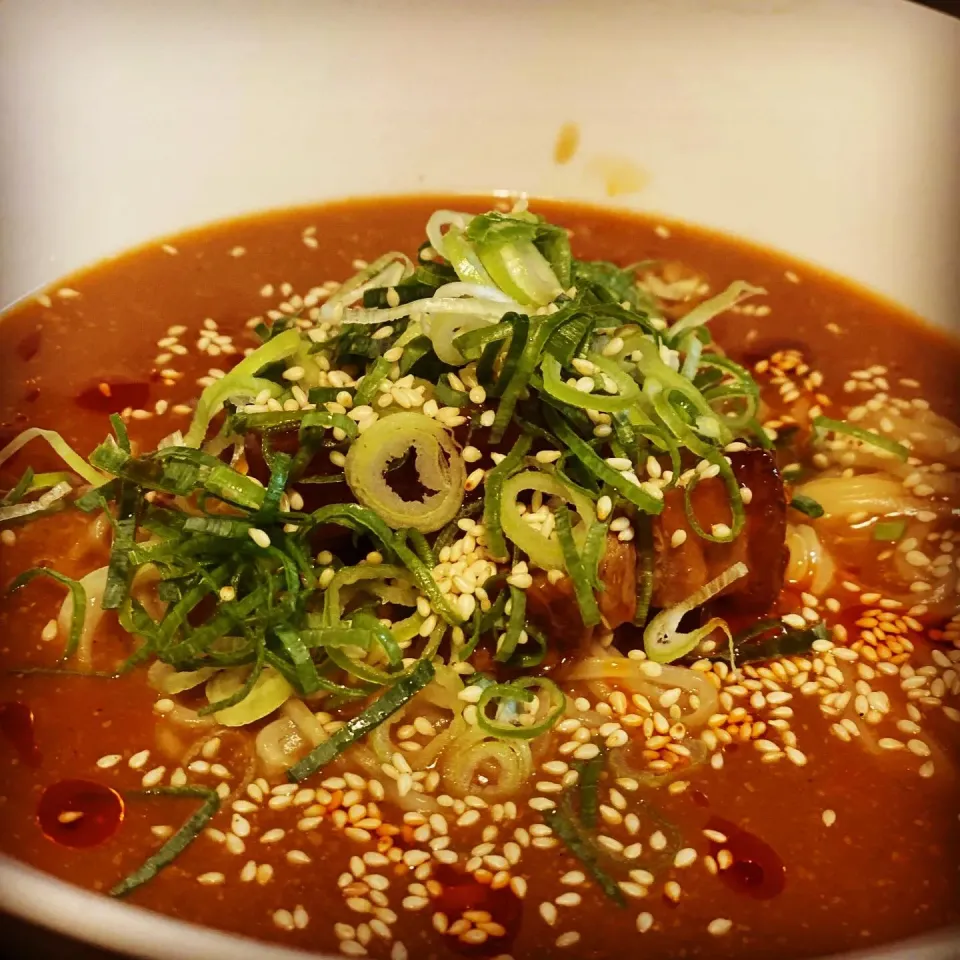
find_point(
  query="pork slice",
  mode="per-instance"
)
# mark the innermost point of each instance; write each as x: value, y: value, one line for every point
x: 553, y: 606
x: 681, y: 571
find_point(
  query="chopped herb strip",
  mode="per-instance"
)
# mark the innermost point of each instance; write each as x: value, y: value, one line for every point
x: 242, y: 692
x: 515, y: 693
x: 178, y: 842
x: 772, y: 639
x: 807, y: 505
x: 589, y: 788
x: 599, y: 468
x: 561, y: 822
x: 61, y: 672
x: 77, y: 592
x: 645, y: 566
x: 889, y: 530
x: 20, y: 489
x: 404, y: 689
x: 493, y: 494
x: 868, y: 437
x: 582, y: 580
x: 120, y: 569
x: 515, y: 625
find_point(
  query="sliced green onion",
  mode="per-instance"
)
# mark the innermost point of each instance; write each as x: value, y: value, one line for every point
x: 489, y: 311
x: 424, y: 579
x: 582, y: 586
x: 403, y: 690
x: 542, y: 551
x: 589, y: 788
x: 240, y: 381
x: 521, y: 271
x: 244, y: 695
x: 519, y: 692
x: 662, y: 639
x: 562, y: 824
x: 594, y: 548
x: 645, y: 565
x: 20, y: 489
x: 381, y: 634
x: 370, y: 384
x: 386, y: 271
x: 77, y: 593
x: 518, y: 365
x: 706, y: 311
x: 438, y: 462
x: 807, y: 506
x: 868, y: 437
x: 627, y: 390
x: 475, y: 342
x: 178, y: 842
x: 375, y: 573
x: 493, y: 493
x: 518, y: 615
x: 729, y: 480
x: 60, y: 446
x: 423, y: 549
x: 597, y: 466
x: 354, y: 517
x: 17, y: 511
x: 784, y: 642
x: 180, y: 471
x: 447, y: 396
x: 889, y: 530
x: 120, y: 569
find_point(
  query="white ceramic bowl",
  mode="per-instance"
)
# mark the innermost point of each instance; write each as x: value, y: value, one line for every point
x: 827, y: 128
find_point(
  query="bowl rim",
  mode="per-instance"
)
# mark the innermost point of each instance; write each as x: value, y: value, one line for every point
x: 93, y: 918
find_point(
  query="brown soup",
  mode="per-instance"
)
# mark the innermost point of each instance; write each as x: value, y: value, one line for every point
x: 817, y: 812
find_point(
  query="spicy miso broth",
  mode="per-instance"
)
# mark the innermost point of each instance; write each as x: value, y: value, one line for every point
x: 398, y: 581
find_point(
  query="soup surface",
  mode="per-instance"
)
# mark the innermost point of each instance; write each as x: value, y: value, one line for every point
x: 817, y: 812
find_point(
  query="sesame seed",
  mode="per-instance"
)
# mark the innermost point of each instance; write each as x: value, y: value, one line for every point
x: 719, y: 926
x: 685, y: 857
x: 549, y: 912
x: 153, y: 777
x: 259, y: 537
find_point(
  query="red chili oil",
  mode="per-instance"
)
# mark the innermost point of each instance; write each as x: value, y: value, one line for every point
x: 112, y: 396
x: 16, y: 725
x: 79, y: 813
x: 757, y: 870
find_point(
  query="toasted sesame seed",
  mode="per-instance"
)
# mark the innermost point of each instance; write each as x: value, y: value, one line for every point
x: 259, y: 537
x: 153, y: 777
x: 719, y: 926
x: 685, y: 857
x: 549, y: 912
